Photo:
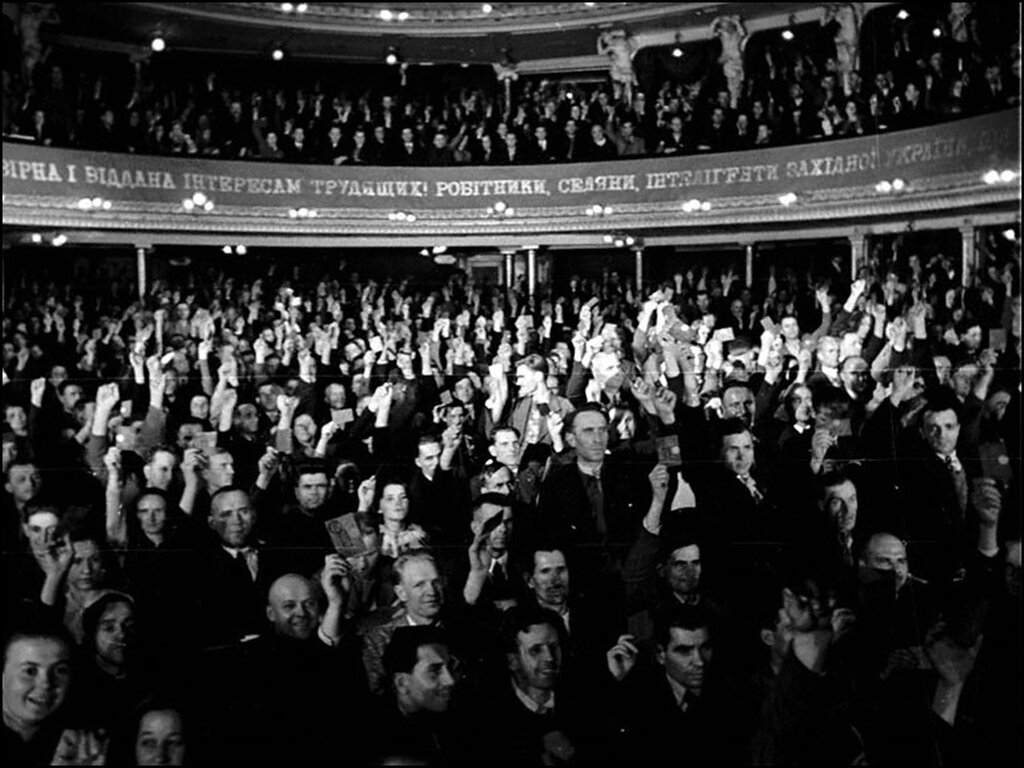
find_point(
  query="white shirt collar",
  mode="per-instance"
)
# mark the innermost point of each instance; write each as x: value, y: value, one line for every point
x: 530, y: 704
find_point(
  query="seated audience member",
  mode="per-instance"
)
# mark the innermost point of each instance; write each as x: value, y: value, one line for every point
x: 420, y: 719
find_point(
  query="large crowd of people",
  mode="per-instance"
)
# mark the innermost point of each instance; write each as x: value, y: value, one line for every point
x: 286, y: 514
x: 767, y: 93
x: 279, y: 511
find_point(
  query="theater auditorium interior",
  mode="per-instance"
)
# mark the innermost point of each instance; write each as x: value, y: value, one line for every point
x: 511, y: 383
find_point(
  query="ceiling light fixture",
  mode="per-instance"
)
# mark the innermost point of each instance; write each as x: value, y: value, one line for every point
x: 158, y: 44
x: 277, y: 54
x: 386, y: 15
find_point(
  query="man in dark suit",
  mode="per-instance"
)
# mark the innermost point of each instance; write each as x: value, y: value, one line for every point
x: 733, y: 500
x: 335, y: 150
x: 573, y: 145
x: 300, y: 149
x: 535, y: 715
x: 934, y: 489
x: 516, y: 153
x: 265, y: 678
x: 543, y: 148
x: 420, y: 719
x: 679, y: 707
x: 235, y: 573
x: 590, y: 500
x: 407, y: 151
x: 490, y: 582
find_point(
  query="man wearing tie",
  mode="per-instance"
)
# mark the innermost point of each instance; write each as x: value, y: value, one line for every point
x: 933, y: 490
x: 235, y: 572
x: 678, y: 702
x: 733, y: 501
x: 488, y: 583
x: 543, y: 152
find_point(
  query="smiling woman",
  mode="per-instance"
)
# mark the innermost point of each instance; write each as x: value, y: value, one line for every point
x: 36, y: 679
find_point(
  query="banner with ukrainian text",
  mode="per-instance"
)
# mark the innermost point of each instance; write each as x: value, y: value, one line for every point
x: 990, y: 141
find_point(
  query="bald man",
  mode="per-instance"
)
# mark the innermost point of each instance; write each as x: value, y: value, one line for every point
x: 293, y: 607
x: 885, y: 552
x: 299, y: 677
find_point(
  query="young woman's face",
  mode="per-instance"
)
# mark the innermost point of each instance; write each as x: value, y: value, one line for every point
x: 394, y: 503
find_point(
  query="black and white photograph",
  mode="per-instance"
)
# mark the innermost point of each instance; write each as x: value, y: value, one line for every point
x: 512, y: 384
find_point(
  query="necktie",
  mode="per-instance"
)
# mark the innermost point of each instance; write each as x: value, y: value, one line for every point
x: 748, y: 481
x: 241, y: 564
x: 498, y: 577
x: 595, y: 493
x: 956, y: 470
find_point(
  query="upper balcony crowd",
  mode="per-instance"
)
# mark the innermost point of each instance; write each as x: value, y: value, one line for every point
x: 903, y: 74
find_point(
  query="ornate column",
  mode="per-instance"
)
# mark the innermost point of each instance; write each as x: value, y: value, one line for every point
x: 968, y: 254
x: 140, y: 268
x: 531, y: 271
x: 858, y: 249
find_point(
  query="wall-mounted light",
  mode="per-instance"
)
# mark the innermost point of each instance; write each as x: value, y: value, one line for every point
x: 59, y: 240
x: 158, y: 44
x: 198, y: 203
x: 391, y: 57
x: 501, y: 208
x: 694, y: 205
x: 1005, y: 176
x: 94, y: 204
x: 277, y: 54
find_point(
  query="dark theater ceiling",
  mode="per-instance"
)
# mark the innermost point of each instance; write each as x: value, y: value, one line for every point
x: 423, y: 32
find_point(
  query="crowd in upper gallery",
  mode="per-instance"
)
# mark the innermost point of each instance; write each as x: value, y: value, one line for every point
x: 835, y: 80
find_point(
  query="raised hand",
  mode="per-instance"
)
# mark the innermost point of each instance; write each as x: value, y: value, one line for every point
x: 658, y: 478
x: 336, y: 578
x: 665, y: 403
x: 951, y: 661
x: 642, y: 390
x: 622, y: 657
x: 268, y: 463
x: 38, y: 389
x: 986, y: 500
x: 366, y: 492
x: 107, y: 396
x: 112, y: 460
x: 81, y: 747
